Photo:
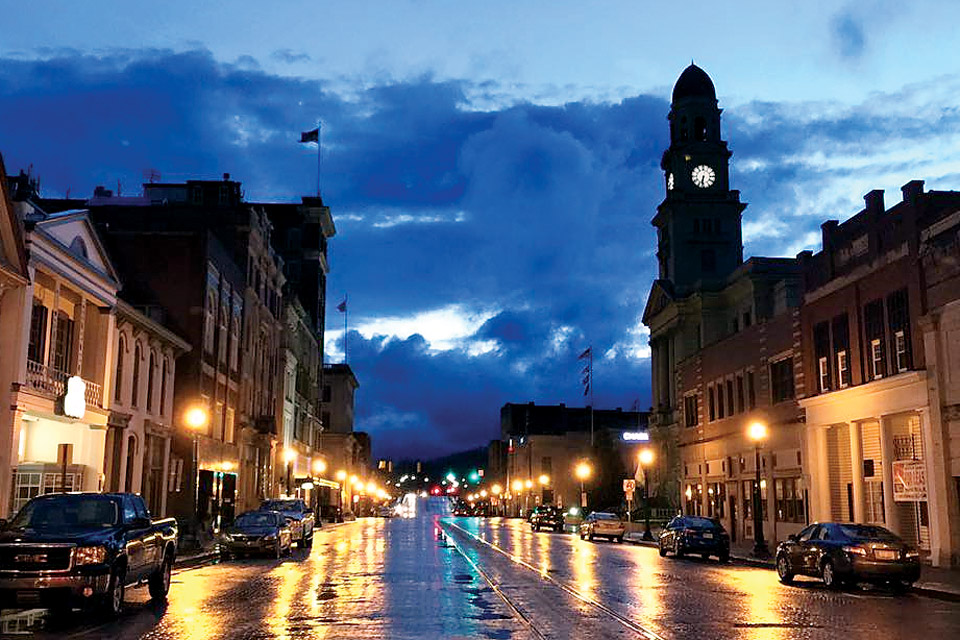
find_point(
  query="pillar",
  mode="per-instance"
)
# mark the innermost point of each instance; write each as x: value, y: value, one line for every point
x: 937, y: 491
x: 890, y: 518
x: 856, y: 464
x: 820, y: 506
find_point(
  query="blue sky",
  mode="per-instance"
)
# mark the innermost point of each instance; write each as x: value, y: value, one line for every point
x: 492, y: 167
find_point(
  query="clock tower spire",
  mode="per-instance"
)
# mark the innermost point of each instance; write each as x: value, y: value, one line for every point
x: 698, y: 223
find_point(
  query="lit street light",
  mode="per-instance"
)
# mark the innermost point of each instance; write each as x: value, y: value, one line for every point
x: 583, y: 471
x: 319, y: 466
x: 646, y: 459
x: 757, y: 432
x: 196, y: 419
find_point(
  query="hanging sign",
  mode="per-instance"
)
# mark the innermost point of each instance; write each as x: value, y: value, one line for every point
x: 74, y: 401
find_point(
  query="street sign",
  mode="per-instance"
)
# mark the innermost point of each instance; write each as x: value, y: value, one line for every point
x: 629, y: 485
x: 909, y: 481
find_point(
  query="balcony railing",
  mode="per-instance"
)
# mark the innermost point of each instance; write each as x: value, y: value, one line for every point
x: 54, y: 382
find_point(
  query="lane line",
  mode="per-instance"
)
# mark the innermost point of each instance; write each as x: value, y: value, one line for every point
x: 630, y: 624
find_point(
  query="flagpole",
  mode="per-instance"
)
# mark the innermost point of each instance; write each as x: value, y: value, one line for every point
x: 346, y: 313
x: 591, y: 396
x: 319, y: 153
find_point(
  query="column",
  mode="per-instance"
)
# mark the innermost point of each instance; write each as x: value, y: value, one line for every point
x: 655, y: 373
x: 937, y: 491
x: 856, y: 464
x: 890, y: 518
x: 821, y: 507
x: 166, y: 477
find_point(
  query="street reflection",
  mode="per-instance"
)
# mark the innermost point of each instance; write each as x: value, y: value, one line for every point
x: 764, y: 604
x: 583, y: 563
x: 189, y: 606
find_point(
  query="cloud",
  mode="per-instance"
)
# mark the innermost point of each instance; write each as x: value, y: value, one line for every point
x: 290, y: 56
x: 848, y: 35
x: 484, y: 243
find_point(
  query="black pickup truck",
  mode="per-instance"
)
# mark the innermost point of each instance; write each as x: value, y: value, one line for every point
x: 84, y: 549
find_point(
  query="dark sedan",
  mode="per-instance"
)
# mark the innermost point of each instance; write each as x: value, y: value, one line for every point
x: 549, y: 517
x: 842, y: 554
x: 695, y: 534
x: 257, y: 532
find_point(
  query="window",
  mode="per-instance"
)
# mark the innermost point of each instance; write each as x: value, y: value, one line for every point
x: 135, y: 383
x: 748, y: 499
x: 730, y: 405
x: 118, y: 381
x: 38, y: 333
x: 326, y: 393
x: 821, y: 348
x: 841, y: 345
x: 720, y: 412
x: 163, y: 385
x: 546, y: 465
x: 876, y: 358
x: 751, y: 391
x: 740, y: 405
x: 150, y: 379
x: 874, y: 498
x: 789, y: 500
x: 900, y: 350
x: 747, y: 320
x: 235, y: 332
x: 700, y: 128
x: 716, y: 498
x: 231, y: 418
x: 712, y: 404
x: 63, y: 344
x: 843, y: 369
x: 781, y: 380
x: 224, y: 319
x: 875, y: 334
x: 209, y: 321
x: 898, y: 312
x: 690, y: 417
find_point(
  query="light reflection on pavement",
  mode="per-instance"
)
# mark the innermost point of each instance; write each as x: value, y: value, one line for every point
x: 693, y: 598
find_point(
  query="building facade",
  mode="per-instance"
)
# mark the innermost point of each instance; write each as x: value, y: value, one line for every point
x: 877, y: 437
x: 141, y: 418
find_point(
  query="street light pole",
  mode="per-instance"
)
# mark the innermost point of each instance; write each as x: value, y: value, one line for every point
x: 646, y: 458
x: 757, y: 432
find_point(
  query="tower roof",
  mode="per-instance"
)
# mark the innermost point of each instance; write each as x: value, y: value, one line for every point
x: 694, y: 83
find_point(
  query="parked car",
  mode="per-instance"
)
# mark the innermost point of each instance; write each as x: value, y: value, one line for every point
x: 386, y: 511
x: 84, y: 549
x: 695, y: 534
x: 842, y: 554
x: 547, y: 516
x: 602, y: 524
x: 300, y: 516
x: 257, y: 532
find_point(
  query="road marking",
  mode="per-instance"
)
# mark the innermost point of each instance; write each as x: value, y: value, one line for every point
x: 628, y: 623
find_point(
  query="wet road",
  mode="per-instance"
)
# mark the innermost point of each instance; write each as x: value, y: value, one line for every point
x: 693, y: 598
x: 496, y: 579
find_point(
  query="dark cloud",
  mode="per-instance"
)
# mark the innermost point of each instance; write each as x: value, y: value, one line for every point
x: 848, y: 35
x: 540, y: 214
x: 290, y: 56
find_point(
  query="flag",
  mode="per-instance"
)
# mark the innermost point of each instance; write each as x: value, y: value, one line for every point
x: 585, y: 354
x: 311, y: 136
x: 586, y: 389
x: 342, y: 307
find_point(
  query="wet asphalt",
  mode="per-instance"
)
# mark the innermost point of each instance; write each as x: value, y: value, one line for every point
x: 432, y: 575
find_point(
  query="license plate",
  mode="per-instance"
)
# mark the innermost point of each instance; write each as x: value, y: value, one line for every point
x: 708, y: 536
x: 886, y: 554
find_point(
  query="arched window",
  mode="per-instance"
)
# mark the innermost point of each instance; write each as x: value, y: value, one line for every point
x: 118, y: 383
x: 150, y: 378
x: 683, y: 128
x: 700, y: 129
x: 135, y: 383
x: 79, y: 248
x: 163, y: 385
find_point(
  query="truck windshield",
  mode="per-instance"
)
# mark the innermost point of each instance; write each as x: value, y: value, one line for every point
x: 67, y: 513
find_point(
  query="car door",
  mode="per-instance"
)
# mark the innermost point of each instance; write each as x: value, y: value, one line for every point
x: 799, y: 550
x: 133, y: 535
x: 151, y: 536
x: 670, y: 533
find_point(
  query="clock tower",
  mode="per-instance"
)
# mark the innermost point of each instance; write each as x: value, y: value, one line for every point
x: 699, y: 241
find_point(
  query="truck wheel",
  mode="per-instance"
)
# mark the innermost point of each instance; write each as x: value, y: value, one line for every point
x: 160, y: 581
x: 113, y: 600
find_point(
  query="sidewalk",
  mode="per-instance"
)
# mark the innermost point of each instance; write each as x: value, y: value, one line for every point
x: 935, y: 582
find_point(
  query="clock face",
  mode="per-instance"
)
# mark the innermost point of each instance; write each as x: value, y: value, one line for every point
x: 669, y: 182
x: 703, y: 176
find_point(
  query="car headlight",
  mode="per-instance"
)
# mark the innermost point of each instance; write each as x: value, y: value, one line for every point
x: 89, y: 555
x: 227, y: 537
x: 270, y: 536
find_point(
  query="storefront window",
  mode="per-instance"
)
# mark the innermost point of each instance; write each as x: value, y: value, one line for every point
x: 789, y: 500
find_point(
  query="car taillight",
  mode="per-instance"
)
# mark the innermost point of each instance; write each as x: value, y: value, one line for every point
x: 855, y: 551
x: 689, y: 532
x: 911, y: 553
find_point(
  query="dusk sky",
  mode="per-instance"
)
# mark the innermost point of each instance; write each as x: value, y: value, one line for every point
x: 492, y: 167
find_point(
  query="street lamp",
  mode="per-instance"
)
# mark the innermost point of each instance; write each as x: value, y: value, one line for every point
x: 196, y: 419
x: 319, y: 466
x: 757, y: 432
x: 583, y: 472
x: 646, y: 459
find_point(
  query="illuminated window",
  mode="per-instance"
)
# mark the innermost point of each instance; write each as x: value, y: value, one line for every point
x: 876, y: 358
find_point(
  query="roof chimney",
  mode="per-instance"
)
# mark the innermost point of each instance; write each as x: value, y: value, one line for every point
x: 911, y: 191
x: 874, y: 201
x: 827, y: 230
x: 226, y: 177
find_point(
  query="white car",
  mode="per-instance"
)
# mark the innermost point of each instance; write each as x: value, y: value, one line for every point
x: 602, y: 524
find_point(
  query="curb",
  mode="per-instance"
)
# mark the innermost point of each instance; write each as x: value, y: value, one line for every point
x: 932, y: 592
x: 186, y: 562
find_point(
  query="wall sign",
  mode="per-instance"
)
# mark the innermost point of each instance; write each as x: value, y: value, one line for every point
x: 636, y: 436
x: 909, y: 481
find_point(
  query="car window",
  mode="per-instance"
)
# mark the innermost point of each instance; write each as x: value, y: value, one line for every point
x: 140, y: 507
x: 825, y: 533
x: 868, y: 532
x: 808, y: 533
x: 129, y: 509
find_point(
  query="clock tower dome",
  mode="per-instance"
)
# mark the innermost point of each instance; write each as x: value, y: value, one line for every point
x: 699, y: 241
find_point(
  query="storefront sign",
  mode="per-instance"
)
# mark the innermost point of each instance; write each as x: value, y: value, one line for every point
x: 636, y: 436
x: 75, y: 402
x: 909, y: 481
